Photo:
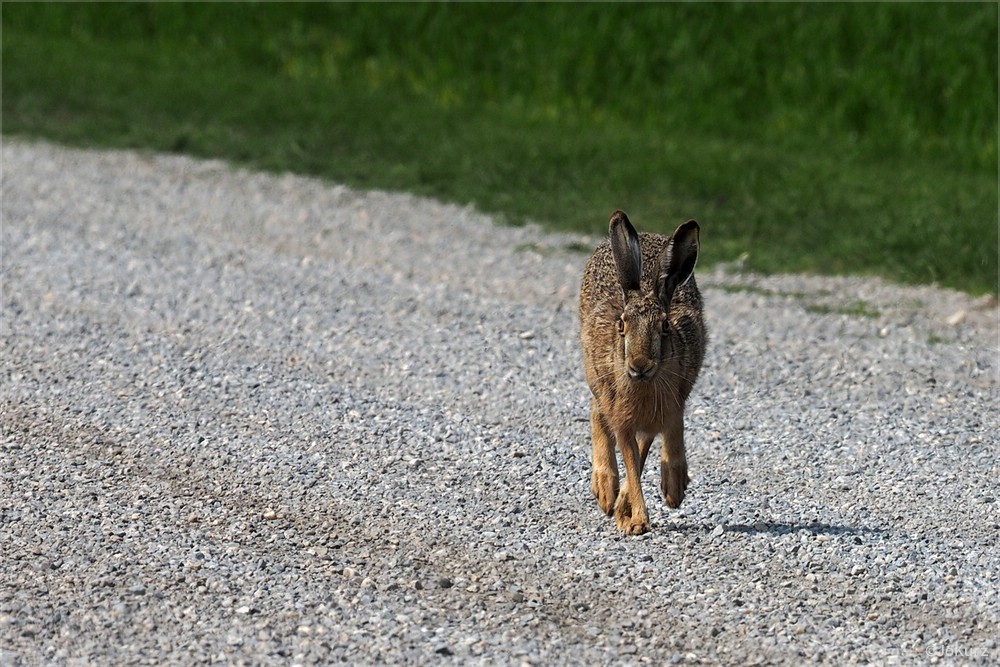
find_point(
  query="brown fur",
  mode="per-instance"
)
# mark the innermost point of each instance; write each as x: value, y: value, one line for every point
x: 628, y: 409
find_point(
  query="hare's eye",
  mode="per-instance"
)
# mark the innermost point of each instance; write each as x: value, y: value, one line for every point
x: 621, y: 325
x: 665, y: 327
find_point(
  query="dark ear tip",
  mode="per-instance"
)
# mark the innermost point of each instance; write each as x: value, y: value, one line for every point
x: 618, y: 218
x: 687, y: 229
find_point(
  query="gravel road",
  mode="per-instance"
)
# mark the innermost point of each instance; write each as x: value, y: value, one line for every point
x: 258, y: 419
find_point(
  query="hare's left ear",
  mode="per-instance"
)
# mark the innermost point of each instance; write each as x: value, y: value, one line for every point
x: 626, y: 250
x: 677, y: 261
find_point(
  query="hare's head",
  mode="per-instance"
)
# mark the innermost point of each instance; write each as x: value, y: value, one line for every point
x: 645, y: 335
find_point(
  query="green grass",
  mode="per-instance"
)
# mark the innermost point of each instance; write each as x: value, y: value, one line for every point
x: 856, y: 308
x: 812, y: 301
x: 827, y: 138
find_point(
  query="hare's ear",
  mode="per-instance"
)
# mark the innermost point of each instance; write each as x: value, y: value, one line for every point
x: 626, y: 250
x: 677, y: 261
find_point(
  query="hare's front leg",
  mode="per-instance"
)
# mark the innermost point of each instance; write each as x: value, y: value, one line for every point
x: 630, y: 510
x: 604, y: 478
x: 673, y: 461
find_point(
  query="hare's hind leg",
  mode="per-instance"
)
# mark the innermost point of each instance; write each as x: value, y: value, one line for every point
x: 673, y: 461
x: 645, y: 440
x: 604, y: 478
x: 630, y: 510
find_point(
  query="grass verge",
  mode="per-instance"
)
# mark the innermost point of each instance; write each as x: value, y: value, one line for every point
x: 817, y: 138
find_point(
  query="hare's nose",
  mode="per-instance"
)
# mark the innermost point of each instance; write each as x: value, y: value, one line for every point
x: 641, y: 369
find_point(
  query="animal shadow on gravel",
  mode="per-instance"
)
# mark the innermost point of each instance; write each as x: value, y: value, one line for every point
x: 776, y: 528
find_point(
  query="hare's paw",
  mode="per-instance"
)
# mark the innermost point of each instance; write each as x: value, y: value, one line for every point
x: 631, y: 520
x: 631, y: 524
x: 673, y: 482
x: 604, y: 484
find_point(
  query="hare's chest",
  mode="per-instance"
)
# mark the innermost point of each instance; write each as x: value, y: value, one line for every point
x: 646, y: 411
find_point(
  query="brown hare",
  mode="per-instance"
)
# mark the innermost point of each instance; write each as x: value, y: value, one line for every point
x: 644, y: 341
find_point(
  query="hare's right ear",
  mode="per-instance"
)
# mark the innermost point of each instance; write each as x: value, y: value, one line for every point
x: 626, y: 250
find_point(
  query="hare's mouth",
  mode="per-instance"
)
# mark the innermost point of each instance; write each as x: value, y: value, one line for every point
x: 641, y: 371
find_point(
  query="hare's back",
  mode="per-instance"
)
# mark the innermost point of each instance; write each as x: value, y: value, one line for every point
x: 600, y: 280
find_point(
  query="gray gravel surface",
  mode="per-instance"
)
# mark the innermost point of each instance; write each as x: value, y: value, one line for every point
x: 257, y: 419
